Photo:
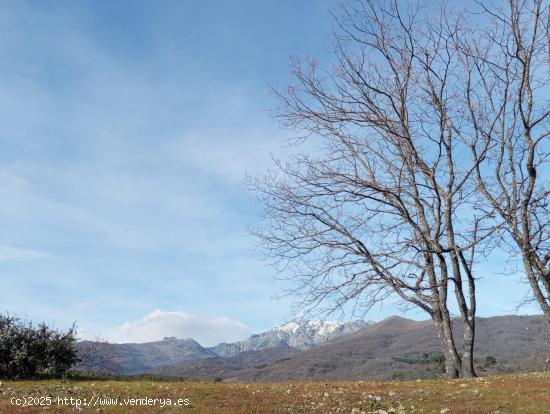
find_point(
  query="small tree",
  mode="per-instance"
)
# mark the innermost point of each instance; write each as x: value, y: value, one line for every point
x: 98, y: 358
x: 489, y: 361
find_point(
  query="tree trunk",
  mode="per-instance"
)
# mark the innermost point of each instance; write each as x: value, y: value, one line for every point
x: 536, y: 288
x: 453, y: 365
x: 468, y: 370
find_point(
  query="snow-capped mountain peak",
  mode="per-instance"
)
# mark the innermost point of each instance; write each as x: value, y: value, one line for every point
x: 300, y: 335
x: 320, y: 328
x: 290, y: 327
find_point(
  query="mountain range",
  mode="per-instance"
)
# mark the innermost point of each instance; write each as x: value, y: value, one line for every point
x: 393, y: 348
x: 133, y: 358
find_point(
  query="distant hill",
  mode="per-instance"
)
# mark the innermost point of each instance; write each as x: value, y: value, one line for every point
x: 237, y: 365
x: 136, y: 358
x: 400, y: 348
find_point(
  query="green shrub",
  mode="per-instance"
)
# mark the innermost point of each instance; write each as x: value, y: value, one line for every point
x: 31, y: 352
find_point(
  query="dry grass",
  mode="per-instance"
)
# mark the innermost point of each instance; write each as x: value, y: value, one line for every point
x: 525, y: 393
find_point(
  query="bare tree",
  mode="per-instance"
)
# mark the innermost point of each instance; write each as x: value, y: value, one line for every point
x: 98, y: 358
x: 384, y: 205
x: 506, y: 70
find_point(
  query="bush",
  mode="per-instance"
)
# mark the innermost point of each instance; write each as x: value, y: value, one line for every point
x: 489, y: 361
x: 31, y: 352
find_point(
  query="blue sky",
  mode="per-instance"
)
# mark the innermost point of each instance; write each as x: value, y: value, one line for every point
x: 127, y: 130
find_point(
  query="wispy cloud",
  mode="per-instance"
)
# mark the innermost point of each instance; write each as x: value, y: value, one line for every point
x: 207, y: 330
x: 16, y: 253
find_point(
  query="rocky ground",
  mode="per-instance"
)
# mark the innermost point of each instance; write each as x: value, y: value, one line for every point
x: 520, y: 393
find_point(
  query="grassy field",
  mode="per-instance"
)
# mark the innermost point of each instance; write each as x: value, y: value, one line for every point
x: 526, y: 393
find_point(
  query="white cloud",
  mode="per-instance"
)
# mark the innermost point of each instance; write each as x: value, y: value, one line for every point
x: 207, y: 330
